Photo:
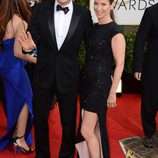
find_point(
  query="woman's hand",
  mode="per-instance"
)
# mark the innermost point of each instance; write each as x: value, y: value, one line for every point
x: 111, y: 101
x: 26, y: 41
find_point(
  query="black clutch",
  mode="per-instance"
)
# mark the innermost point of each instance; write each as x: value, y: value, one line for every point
x: 33, y: 52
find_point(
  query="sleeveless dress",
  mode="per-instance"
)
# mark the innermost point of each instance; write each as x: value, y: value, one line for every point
x: 17, y: 92
x: 96, y: 80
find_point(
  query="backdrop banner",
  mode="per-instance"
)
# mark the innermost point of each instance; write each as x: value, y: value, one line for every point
x: 127, y: 12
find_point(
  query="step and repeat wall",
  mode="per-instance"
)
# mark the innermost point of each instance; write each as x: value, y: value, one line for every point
x: 127, y: 12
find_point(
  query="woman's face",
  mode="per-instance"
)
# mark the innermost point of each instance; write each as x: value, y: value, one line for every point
x: 102, y: 8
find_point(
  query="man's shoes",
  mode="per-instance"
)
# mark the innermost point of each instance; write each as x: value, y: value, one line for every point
x: 148, y: 143
x: 155, y: 139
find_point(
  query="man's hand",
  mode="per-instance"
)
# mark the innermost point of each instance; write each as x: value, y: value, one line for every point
x: 26, y: 41
x: 138, y: 75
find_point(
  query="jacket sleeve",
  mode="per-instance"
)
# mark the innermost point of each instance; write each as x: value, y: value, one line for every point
x: 88, y: 27
x: 33, y: 26
x: 140, y: 40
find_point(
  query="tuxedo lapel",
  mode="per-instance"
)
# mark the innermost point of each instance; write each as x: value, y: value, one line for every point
x: 50, y: 14
x: 73, y: 24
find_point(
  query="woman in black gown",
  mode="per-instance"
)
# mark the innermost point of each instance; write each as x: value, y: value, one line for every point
x: 98, y: 90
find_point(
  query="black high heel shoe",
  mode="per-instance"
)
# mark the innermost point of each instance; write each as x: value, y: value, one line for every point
x: 16, y: 146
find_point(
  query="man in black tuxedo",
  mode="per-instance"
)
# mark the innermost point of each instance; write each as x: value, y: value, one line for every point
x: 148, y: 71
x: 57, y: 29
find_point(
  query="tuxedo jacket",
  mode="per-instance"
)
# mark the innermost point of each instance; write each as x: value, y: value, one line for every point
x: 58, y: 67
x: 147, y: 33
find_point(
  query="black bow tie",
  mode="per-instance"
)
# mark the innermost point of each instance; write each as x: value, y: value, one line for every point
x: 64, y: 9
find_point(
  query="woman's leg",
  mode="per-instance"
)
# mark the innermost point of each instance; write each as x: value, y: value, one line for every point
x: 88, y: 126
x: 97, y: 132
x: 21, y: 127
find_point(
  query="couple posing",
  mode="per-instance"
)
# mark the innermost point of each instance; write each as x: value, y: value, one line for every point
x: 56, y: 29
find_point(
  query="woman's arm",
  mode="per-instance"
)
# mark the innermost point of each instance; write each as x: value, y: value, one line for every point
x: 20, y: 27
x: 118, y: 49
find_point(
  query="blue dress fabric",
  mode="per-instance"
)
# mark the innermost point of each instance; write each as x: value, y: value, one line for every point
x: 17, y: 92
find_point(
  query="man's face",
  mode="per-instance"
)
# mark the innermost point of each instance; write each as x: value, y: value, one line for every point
x: 64, y: 2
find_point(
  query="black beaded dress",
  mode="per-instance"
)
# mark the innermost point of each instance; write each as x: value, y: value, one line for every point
x: 96, y: 80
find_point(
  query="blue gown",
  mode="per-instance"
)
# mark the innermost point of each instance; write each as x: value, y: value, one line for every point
x: 17, y: 92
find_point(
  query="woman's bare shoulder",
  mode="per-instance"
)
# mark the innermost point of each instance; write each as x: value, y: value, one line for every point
x: 18, y: 22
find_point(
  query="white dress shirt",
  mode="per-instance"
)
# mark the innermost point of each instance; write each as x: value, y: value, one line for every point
x: 62, y: 23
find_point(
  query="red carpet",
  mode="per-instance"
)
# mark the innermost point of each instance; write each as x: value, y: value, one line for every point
x: 123, y: 121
